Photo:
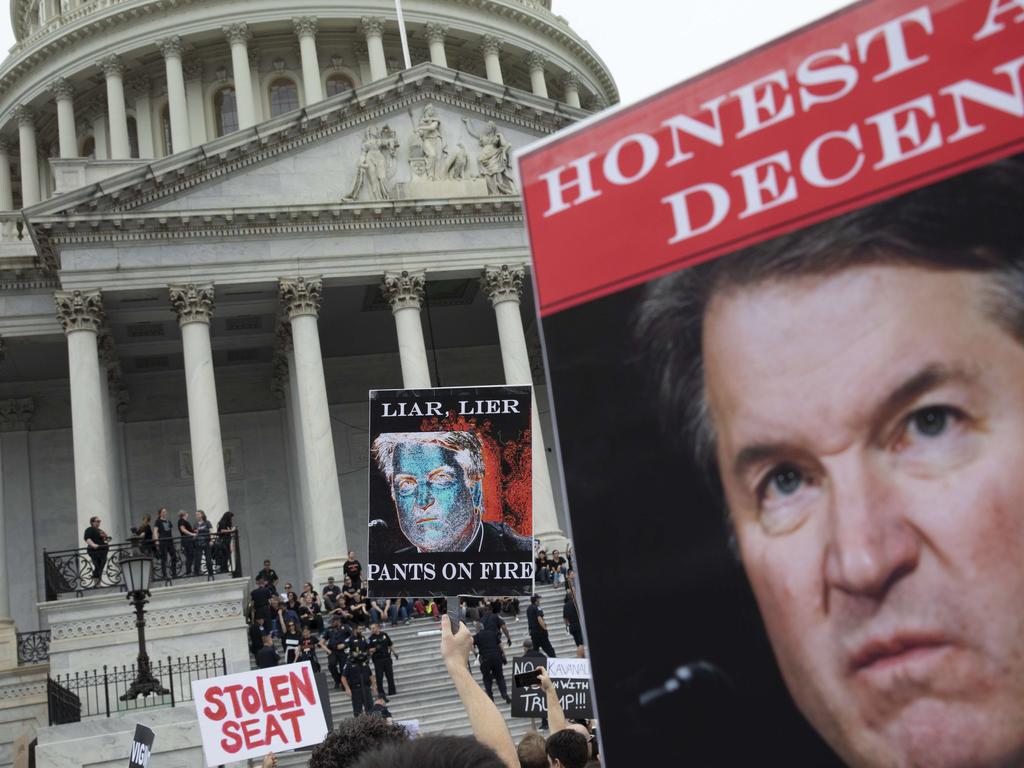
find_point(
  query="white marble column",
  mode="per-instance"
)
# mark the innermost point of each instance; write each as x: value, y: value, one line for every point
x: 490, y: 46
x: 6, y: 187
x: 113, y: 70
x: 81, y: 315
x: 373, y: 28
x: 193, y: 72
x: 300, y: 300
x: 503, y: 286
x: 172, y: 48
x: 110, y: 377
x: 194, y: 306
x: 16, y: 497
x: 306, y: 28
x: 571, y: 82
x: 28, y: 155
x: 535, y: 62
x: 238, y: 36
x: 257, y: 93
x: 435, y: 39
x: 97, y: 117
x: 63, y: 95
x: 138, y: 88
x: 404, y: 292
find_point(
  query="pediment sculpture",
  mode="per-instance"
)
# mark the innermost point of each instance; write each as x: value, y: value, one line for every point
x: 376, y: 165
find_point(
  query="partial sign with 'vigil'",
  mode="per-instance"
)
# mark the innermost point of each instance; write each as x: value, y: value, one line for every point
x: 264, y: 710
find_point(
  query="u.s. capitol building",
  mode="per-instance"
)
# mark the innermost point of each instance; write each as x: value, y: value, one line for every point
x: 222, y: 223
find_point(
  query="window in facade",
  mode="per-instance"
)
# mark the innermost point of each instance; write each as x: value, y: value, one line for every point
x: 88, y: 149
x: 284, y: 96
x: 133, y: 138
x: 165, y: 129
x: 338, y: 84
x: 225, y: 110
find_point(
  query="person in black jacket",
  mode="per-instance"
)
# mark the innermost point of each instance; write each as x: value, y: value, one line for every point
x: 382, y: 648
x: 492, y: 661
x: 267, y: 655
x: 358, y: 683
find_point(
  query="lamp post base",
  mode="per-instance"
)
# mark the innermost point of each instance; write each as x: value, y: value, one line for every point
x: 144, y: 685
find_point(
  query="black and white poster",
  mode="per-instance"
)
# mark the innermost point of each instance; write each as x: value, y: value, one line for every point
x: 142, y: 747
x: 450, y: 492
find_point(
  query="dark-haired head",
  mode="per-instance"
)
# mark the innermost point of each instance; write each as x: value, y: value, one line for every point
x: 433, y: 752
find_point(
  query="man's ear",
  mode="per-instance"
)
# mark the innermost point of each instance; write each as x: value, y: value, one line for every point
x: 478, y: 493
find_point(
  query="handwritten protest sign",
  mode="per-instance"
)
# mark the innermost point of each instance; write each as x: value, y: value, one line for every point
x: 571, y: 678
x: 252, y: 713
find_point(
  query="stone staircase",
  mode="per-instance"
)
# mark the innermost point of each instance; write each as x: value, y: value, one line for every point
x: 425, y: 692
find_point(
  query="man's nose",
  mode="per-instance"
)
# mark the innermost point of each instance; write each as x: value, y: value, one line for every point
x: 424, y: 498
x: 871, y: 542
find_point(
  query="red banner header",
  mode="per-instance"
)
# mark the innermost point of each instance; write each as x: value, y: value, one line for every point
x: 868, y: 103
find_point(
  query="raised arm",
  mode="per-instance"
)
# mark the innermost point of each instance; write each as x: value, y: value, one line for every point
x: 488, y: 725
x: 556, y: 717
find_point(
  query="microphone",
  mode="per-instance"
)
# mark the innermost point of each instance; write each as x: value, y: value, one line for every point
x: 685, y: 678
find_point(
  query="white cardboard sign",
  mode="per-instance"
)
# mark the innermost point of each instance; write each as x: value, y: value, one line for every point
x: 569, y: 668
x: 264, y: 710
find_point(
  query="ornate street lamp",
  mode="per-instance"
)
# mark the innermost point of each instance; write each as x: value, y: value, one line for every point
x: 136, y: 572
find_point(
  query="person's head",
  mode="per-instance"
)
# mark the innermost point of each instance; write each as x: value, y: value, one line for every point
x: 531, y: 752
x: 162, y: 513
x: 304, y: 599
x: 336, y: 621
x: 267, y: 639
x: 182, y: 515
x: 293, y: 599
x: 856, y: 387
x: 436, y: 481
x: 358, y: 630
x: 527, y: 645
x: 306, y: 632
x: 375, y: 629
x: 227, y: 519
x: 200, y: 516
x: 95, y: 522
x: 266, y: 564
x: 351, y: 556
x: 347, y: 582
x: 146, y: 519
x: 275, y: 602
x: 567, y: 749
x: 330, y: 581
x: 288, y: 587
x: 307, y: 587
x: 353, y: 737
x: 432, y: 752
x: 291, y: 626
x: 535, y: 599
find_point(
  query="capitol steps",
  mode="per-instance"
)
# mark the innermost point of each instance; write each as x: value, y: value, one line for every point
x: 425, y: 692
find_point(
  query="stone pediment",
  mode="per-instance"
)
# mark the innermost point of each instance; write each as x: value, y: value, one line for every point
x: 428, y: 133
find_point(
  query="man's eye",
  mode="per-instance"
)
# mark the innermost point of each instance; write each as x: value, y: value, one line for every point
x: 931, y: 421
x: 784, y: 480
x: 442, y: 480
x: 406, y: 487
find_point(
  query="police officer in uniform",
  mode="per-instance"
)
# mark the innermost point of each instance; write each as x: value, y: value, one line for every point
x: 381, y: 650
x: 335, y: 643
x: 492, y: 662
x: 359, y: 684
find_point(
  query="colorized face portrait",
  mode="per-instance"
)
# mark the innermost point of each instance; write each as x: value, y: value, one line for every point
x: 869, y: 429
x: 438, y: 509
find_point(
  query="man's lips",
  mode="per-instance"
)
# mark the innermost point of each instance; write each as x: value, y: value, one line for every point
x: 425, y: 520
x: 899, y: 648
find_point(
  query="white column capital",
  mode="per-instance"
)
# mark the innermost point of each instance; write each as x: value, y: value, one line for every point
x: 301, y: 296
x: 16, y: 413
x: 536, y: 61
x: 25, y: 116
x: 571, y: 80
x: 372, y: 26
x: 306, y: 26
x: 111, y: 65
x: 171, y: 46
x: 404, y: 290
x: 138, y: 85
x: 61, y: 89
x: 192, y: 302
x: 490, y: 45
x: 504, y: 283
x: 436, y: 32
x: 79, y: 310
x: 237, y: 34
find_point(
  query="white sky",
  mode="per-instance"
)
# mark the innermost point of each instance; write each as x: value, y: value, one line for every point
x: 651, y: 44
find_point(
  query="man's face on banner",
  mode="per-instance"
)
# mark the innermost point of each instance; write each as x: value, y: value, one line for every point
x: 436, y: 508
x: 870, y: 436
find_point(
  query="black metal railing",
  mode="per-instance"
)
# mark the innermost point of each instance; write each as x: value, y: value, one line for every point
x: 77, y: 571
x: 34, y: 647
x: 72, y: 697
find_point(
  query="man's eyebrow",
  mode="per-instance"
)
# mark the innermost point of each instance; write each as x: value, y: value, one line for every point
x: 445, y: 468
x: 926, y: 379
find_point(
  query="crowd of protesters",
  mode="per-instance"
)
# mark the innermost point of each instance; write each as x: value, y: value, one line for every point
x: 349, y: 628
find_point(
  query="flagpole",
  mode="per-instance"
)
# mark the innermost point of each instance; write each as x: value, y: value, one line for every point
x: 401, y: 32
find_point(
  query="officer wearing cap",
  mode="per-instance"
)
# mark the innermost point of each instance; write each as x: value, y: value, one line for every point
x: 381, y: 649
x: 335, y: 643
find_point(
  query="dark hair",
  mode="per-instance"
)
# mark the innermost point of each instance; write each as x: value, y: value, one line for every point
x: 534, y: 598
x: 531, y: 751
x: 353, y: 737
x: 433, y: 752
x: 570, y: 747
x: 973, y: 222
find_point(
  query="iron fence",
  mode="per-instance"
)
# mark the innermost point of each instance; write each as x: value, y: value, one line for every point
x: 34, y: 647
x: 72, y: 697
x: 77, y: 571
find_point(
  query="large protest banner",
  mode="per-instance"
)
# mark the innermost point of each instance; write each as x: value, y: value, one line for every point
x: 264, y: 710
x: 780, y: 312
x: 571, y: 678
x: 450, y: 492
